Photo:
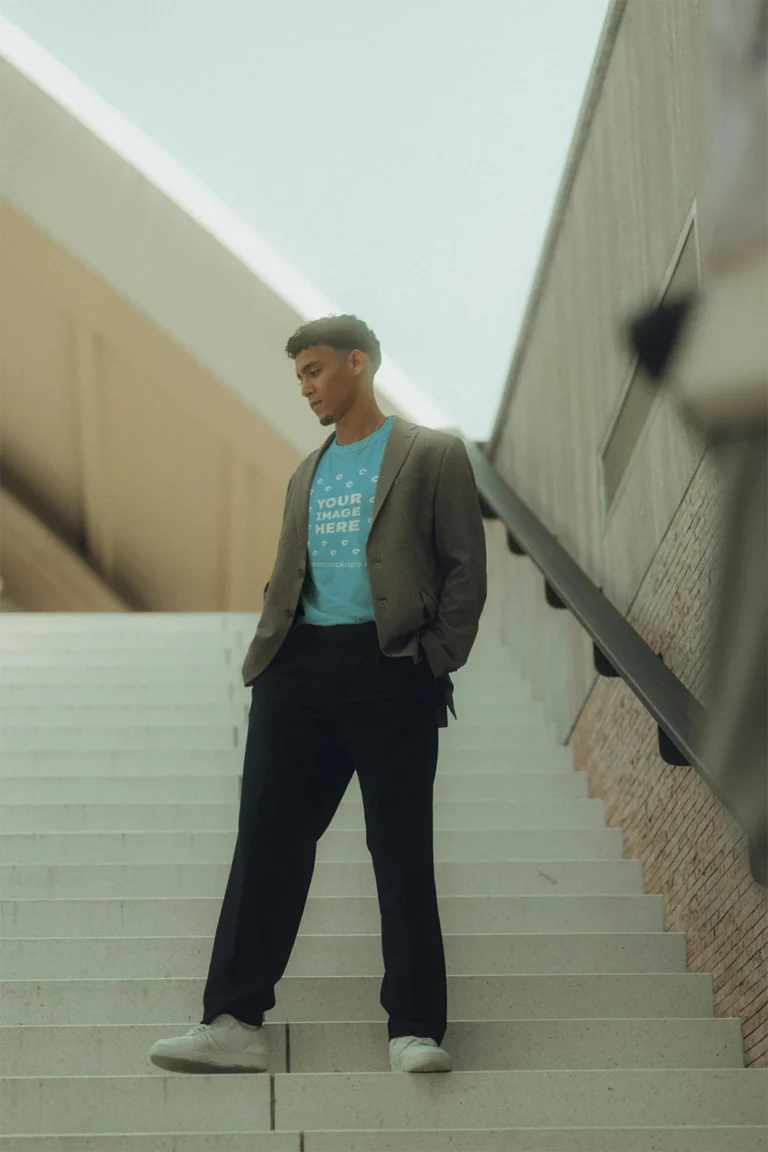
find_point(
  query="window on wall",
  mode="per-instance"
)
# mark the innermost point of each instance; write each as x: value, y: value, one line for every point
x: 640, y: 395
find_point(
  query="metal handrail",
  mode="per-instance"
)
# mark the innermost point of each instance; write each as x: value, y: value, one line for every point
x: 619, y: 649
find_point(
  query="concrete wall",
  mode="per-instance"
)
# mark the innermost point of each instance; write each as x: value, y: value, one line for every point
x: 40, y: 569
x: 153, y: 471
x: 630, y: 222
x: 627, y: 203
x: 692, y: 851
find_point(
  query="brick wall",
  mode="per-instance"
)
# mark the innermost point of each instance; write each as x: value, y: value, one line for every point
x: 692, y: 851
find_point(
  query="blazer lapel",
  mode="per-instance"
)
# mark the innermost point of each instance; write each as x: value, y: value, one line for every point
x: 399, y: 444
x: 304, y: 487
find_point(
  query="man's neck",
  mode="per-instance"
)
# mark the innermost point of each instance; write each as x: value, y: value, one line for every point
x: 356, y: 426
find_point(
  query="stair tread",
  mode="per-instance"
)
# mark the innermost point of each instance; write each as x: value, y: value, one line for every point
x: 559, y: 1034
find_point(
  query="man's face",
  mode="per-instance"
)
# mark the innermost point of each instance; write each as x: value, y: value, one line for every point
x: 329, y: 380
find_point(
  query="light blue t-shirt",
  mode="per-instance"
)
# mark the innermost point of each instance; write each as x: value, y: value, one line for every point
x: 340, y: 512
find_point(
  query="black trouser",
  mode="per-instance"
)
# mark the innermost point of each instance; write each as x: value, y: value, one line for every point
x: 331, y: 704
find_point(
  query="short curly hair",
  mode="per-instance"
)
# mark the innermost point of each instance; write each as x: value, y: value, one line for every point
x: 342, y: 333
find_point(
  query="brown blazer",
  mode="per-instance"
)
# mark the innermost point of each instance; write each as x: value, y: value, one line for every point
x: 426, y: 555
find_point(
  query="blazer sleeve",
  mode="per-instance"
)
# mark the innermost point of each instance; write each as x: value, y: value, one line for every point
x: 285, y: 515
x: 460, y: 545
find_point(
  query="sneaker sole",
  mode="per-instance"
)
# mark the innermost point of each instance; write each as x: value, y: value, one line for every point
x: 202, y: 1067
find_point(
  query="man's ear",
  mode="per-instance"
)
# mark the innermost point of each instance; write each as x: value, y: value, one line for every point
x: 357, y: 362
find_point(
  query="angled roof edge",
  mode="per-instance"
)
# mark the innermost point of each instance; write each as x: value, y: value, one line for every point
x: 69, y: 205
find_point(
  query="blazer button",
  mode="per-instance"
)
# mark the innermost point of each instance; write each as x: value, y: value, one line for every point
x: 288, y: 612
x: 381, y: 598
x: 301, y: 571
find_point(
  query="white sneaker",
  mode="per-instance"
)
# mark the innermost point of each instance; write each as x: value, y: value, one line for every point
x: 224, y: 1045
x: 416, y: 1054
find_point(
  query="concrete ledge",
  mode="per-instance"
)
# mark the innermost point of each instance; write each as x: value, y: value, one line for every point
x: 486, y: 954
x: 356, y: 998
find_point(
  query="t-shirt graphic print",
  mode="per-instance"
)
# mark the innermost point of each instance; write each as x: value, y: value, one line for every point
x: 341, y: 502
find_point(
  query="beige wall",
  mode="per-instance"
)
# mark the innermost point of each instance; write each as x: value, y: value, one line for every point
x: 40, y: 569
x: 157, y: 475
x: 629, y: 197
x: 149, y: 418
x: 104, y: 192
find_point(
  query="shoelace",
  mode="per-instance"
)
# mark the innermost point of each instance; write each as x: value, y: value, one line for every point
x: 421, y: 1040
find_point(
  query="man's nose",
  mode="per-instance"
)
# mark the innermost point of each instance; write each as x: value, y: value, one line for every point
x: 306, y: 387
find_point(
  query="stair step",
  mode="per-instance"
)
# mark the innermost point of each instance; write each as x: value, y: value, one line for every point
x: 484, y: 703
x: 115, y: 790
x: 79, y: 624
x: 494, y: 1045
x: 540, y: 1099
x: 492, y: 710
x: 507, y: 1045
x: 158, y: 1142
x: 712, y: 1139
x: 689, y: 1139
x: 333, y: 915
x: 501, y: 954
x: 493, y: 680
x: 121, y: 716
x: 84, y: 642
x: 569, y: 1003
x: 59, y: 695
x: 499, y: 727
x: 221, y: 788
x: 350, y: 998
x: 212, y: 737
x: 496, y: 878
x: 107, y: 762
x: 72, y: 657
x: 106, y: 1049
x: 467, y: 815
x: 47, y: 692
x: 531, y: 1099
x: 170, y: 1103
x: 466, y: 735
x: 131, y: 674
x: 174, y: 847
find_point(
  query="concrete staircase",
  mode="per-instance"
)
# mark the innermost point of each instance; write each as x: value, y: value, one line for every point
x: 574, y: 1023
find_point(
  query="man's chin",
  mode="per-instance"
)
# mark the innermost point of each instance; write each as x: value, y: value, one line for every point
x: 326, y: 421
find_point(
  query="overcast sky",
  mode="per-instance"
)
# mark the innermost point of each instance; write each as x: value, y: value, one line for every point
x: 404, y: 155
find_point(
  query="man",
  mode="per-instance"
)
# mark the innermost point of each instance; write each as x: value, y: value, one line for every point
x: 374, y: 599
x: 713, y: 353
